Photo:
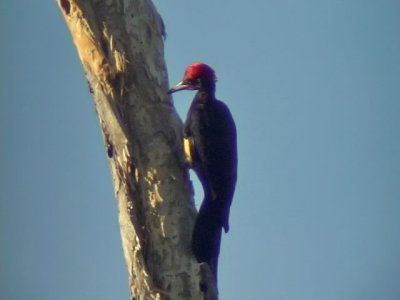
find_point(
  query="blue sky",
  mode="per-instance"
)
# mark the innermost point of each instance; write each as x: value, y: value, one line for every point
x: 314, y: 87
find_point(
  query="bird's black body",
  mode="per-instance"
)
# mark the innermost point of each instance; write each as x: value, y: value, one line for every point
x: 211, y: 129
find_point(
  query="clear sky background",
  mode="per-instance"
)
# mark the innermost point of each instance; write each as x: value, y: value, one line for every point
x: 314, y: 87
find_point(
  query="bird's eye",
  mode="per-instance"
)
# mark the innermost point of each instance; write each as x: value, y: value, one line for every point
x: 192, y: 82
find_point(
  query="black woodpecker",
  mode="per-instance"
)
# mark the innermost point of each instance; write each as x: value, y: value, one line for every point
x: 210, y: 143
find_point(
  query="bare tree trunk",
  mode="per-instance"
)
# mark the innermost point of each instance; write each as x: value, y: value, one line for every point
x: 120, y: 44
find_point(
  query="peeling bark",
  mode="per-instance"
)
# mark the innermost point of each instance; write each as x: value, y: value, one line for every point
x: 120, y: 44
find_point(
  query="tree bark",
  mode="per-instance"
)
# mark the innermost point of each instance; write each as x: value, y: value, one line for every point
x: 120, y: 44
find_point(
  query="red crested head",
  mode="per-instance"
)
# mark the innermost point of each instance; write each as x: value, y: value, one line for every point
x: 199, y: 70
x: 197, y: 76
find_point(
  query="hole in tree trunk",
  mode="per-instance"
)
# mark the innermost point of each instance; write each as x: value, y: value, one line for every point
x: 66, y: 6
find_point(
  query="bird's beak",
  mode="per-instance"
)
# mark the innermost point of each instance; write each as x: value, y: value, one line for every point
x: 183, y: 85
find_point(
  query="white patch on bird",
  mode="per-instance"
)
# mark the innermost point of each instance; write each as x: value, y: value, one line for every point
x: 187, y: 148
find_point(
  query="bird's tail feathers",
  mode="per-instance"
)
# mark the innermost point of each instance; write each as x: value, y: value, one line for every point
x: 206, y: 238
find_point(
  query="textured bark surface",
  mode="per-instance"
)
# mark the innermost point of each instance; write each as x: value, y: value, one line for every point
x: 120, y: 44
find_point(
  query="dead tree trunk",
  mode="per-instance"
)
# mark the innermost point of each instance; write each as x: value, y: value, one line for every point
x: 120, y: 44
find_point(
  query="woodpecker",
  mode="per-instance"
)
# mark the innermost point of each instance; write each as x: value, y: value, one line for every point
x: 210, y: 145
